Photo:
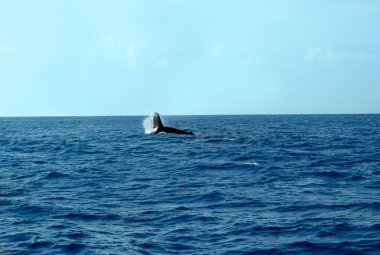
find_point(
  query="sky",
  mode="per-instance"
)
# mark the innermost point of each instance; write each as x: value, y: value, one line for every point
x: 189, y: 57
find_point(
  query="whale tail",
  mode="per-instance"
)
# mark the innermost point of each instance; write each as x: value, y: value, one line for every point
x: 157, y: 124
x: 159, y: 127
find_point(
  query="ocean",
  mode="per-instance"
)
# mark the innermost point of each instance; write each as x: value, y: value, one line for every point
x: 257, y: 184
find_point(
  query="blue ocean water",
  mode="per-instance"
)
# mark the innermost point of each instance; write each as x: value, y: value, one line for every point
x: 287, y: 184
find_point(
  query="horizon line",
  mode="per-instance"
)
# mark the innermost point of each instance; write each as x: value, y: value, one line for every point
x: 138, y: 115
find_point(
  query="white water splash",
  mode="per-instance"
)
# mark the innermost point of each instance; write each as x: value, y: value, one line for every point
x: 252, y: 164
x: 148, y: 124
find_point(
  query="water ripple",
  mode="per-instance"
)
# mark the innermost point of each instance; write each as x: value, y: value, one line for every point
x: 243, y: 185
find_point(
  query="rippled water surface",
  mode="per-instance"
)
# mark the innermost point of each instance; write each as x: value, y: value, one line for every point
x: 303, y: 184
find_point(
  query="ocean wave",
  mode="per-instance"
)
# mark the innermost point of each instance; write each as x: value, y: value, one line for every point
x: 254, y: 185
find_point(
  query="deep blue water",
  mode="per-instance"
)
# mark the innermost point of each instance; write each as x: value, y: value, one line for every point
x: 301, y: 184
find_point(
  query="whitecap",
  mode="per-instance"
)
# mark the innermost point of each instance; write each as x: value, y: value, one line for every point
x: 252, y: 164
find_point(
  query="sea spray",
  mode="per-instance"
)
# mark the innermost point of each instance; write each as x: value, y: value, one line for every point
x: 148, y: 124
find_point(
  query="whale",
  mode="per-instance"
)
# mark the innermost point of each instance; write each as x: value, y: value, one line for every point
x: 158, y: 127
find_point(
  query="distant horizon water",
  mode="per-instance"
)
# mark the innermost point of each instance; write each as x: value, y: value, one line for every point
x: 163, y: 114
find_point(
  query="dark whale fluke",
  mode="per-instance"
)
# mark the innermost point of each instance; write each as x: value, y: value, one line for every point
x: 158, y: 127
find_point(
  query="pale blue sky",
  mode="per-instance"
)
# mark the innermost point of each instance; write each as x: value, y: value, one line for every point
x: 189, y: 57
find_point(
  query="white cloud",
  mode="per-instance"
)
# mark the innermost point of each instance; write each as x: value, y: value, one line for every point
x: 163, y: 61
x: 117, y: 46
x: 330, y: 54
x: 326, y: 53
x: 249, y: 60
x: 6, y: 46
x: 131, y: 52
x: 362, y: 56
x: 216, y: 50
x: 256, y: 60
x: 110, y: 42
x: 131, y: 55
